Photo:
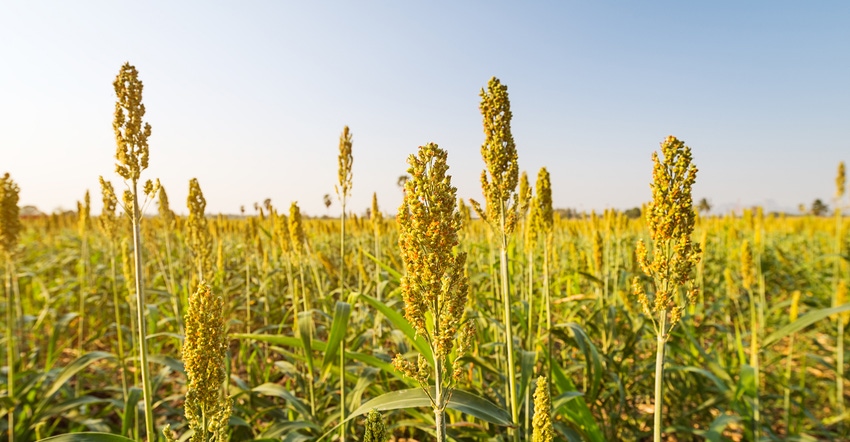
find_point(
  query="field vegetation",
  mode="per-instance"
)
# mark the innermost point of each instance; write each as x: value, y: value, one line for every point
x: 450, y: 320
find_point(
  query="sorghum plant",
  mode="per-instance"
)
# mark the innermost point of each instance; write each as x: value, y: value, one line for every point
x: 207, y: 409
x: 131, y: 136
x: 499, y: 183
x: 670, y: 217
x: 434, y: 279
x: 10, y: 229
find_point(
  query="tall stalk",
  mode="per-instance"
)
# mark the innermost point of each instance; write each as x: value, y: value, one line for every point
x: 10, y: 228
x: 499, y: 183
x: 840, y: 183
x: 131, y: 137
x: 670, y: 217
x: 343, y: 190
x: 83, y: 217
x: 108, y: 224
x: 545, y: 220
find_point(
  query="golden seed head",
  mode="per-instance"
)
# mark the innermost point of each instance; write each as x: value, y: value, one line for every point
x: 795, y: 306
x: 296, y: 229
x: 840, y: 181
x: 131, y: 134
x: 108, y: 220
x: 543, y: 201
x: 428, y: 223
x: 345, y: 160
x: 281, y: 229
x: 84, y: 214
x: 671, y: 219
x: 165, y: 212
x: 199, y: 238
x: 499, y: 179
x: 542, y: 429
x: 524, y: 193
x: 748, y: 271
x: 376, y: 216
x: 10, y: 220
x: 203, y: 357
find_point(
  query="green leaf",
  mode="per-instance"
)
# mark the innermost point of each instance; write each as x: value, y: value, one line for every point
x: 305, y: 329
x: 338, y: 329
x: 271, y: 389
x: 592, y: 360
x: 803, y: 322
x: 462, y: 401
x: 73, y: 368
x: 400, y: 323
x: 715, y: 429
x: 322, y: 346
x: 576, y: 410
x: 526, y: 364
x: 87, y: 437
x: 128, y: 417
x: 391, y: 271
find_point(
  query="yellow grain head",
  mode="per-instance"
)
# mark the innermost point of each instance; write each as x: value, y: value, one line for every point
x: 10, y: 220
x: 670, y: 217
x: 543, y: 201
x: 428, y: 223
x: 795, y: 306
x: 524, y: 195
x: 131, y: 133
x: 296, y: 229
x: 345, y: 161
x: 748, y: 270
x: 203, y: 357
x: 199, y: 238
x: 499, y: 179
x: 542, y: 429
x: 84, y: 214
x: 281, y: 228
x: 376, y: 216
x: 166, y: 215
x: 840, y: 181
x: 108, y: 220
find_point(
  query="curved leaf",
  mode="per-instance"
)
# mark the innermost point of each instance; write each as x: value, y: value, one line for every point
x: 87, y: 437
x: 462, y: 401
x: 400, y: 323
x: 338, y: 328
x: 803, y: 322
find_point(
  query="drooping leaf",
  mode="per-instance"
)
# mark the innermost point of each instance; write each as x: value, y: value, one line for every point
x: 338, y: 329
x: 803, y: 322
x: 87, y: 437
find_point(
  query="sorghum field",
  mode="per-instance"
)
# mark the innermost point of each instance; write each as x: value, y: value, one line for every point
x: 496, y: 320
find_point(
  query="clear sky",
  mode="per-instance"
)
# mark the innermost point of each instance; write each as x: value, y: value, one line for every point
x: 250, y: 97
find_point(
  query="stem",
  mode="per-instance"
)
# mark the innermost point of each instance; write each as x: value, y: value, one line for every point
x: 659, y: 375
x: 140, y: 318
x: 342, y: 390
x: 787, y: 400
x: 509, y: 336
x: 247, y: 290
x: 754, y: 362
x: 342, y: 252
x: 117, y: 307
x: 10, y: 345
x: 83, y: 287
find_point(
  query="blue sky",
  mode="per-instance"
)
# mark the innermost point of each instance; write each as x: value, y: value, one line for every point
x: 250, y: 97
